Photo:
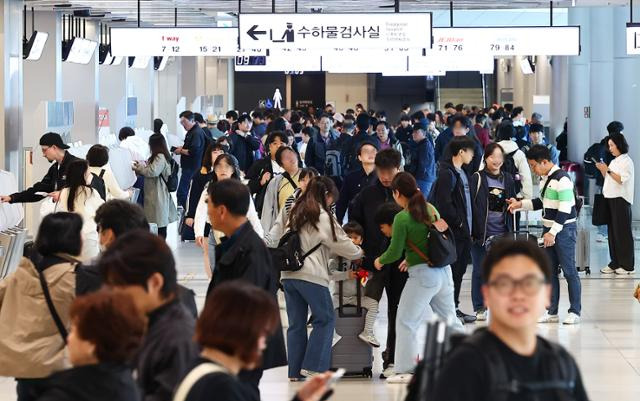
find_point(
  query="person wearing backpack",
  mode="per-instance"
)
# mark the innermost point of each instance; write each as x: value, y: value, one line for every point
x: 312, y: 219
x: 508, y: 361
x: 190, y: 153
x: 429, y: 289
x: 320, y: 143
x: 281, y: 187
x: 515, y: 161
x: 262, y: 171
x: 423, y: 162
x: 98, y: 159
x: 159, y: 207
x: 559, y: 215
x: 536, y: 137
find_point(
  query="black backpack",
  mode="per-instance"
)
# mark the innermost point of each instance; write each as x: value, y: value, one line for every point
x: 172, y: 181
x: 288, y: 256
x: 97, y: 183
x: 333, y: 163
x: 509, y: 166
x: 559, y: 369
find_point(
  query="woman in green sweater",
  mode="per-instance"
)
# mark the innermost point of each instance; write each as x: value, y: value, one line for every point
x: 429, y: 289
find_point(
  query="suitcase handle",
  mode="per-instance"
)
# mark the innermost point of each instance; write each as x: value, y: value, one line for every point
x: 341, y: 312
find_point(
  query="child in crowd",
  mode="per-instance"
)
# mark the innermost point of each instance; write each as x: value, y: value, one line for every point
x: 350, y: 272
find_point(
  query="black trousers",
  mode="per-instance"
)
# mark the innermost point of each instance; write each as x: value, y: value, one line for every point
x: 391, y: 280
x: 620, y: 234
x: 251, y: 380
x: 30, y: 389
x: 459, y: 268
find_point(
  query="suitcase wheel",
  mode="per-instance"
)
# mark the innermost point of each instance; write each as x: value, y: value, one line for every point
x: 367, y: 372
x: 587, y: 271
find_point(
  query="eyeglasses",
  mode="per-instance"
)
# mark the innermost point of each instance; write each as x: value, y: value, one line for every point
x: 530, y: 285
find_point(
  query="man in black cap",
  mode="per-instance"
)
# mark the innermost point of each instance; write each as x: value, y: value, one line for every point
x: 55, y: 151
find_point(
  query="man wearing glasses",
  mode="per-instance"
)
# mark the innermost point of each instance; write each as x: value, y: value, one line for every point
x: 508, y: 361
x: 55, y: 151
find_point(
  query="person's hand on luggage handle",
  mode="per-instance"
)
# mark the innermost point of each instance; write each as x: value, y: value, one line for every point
x: 403, y: 266
x: 353, y: 274
x: 200, y: 242
x: 549, y: 240
x: 377, y: 264
x: 514, y: 205
x: 315, y: 388
x: 441, y: 225
x: 5, y: 199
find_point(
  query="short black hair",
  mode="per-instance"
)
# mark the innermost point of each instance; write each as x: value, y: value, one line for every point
x: 381, y: 122
x: 308, y: 172
x: 405, y: 117
x: 120, y: 216
x: 459, y: 107
x: 386, y: 213
x: 481, y: 118
x: 505, y: 131
x: 539, y: 153
x: 448, y: 105
x: 232, y: 114
x: 459, y: 118
x: 536, y: 127
x: 98, y: 156
x: 363, y: 121
x: 615, y: 126
x: 307, y: 131
x: 619, y: 140
x: 188, y: 114
x: 350, y: 111
x: 508, y: 247
x: 417, y: 116
x: 258, y: 114
x: 231, y: 194
x: 353, y: 227
x: 516, y: 111
x: 281, y: 150
x: 243, y: 118
x: 223, y: 125
x: 405, y: 106
x: 198, y: 118
x: 296, y: 128
x: 60, y: 233
x: 459, y: 143
x: 276, y: 134
x: 365, y: 143
x: 125, y: 132
x: 388, y: 159
x: 137, y: 255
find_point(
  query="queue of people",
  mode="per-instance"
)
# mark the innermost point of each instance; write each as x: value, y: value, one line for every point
x: 246, y: 192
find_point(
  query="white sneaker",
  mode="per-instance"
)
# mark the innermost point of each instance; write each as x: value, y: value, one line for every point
x: 607, y: 270
x: 402, y: 378
x: 601, y: 238
x: 481, y: 315
x: 622, y: 272
x: 388, y: 372
x: 370, y: 339
x: 547, y: 318
x: 308, y: 373
x: 336, y: 338
x: 571, y: 318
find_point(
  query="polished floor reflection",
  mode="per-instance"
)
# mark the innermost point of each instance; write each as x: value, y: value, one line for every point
x: 606, y: 344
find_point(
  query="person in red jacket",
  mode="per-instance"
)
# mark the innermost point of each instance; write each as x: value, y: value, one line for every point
x: 482, y: 132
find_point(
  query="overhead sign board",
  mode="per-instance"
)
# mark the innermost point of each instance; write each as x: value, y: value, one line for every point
x: 633, y: 38
x: 221, y: 42
x: 508, y: 41
x: 322, y: 31
x: 277, y: 62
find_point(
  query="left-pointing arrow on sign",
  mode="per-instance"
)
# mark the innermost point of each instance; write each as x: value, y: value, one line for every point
x: 253, y: 32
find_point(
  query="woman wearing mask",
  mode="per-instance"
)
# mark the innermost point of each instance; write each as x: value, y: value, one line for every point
x: 262, y: 171
x: 490, y: 188
x: 429, y: 289
x: 79, y: 197
x: 312, y: 218
x: 233, y: 336
x: 224, y: 167
x: 106, y: 330
x: 158, y: 203
x: 31, y: 344
x: 618, y: 193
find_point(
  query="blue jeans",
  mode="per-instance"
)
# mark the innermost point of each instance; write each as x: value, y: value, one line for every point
x: 313, y: 353
x: 183, y: 186
x: 427, y: 291
x: 563, y: 253
x: 425, y: 187
x: 478, y: 253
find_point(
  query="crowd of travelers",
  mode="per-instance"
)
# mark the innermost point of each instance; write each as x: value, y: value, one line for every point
x: 329, y: 209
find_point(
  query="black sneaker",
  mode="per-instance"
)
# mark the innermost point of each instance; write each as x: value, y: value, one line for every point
x: 464, y: 318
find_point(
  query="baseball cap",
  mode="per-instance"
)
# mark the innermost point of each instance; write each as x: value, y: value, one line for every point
x: 52, y: 139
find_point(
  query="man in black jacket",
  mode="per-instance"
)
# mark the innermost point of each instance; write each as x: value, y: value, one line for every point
x: 55, y: 151
x: 451, y: 195
x: 361, y: 135
x: 243, y: 143
x: 354, y: 182
x: 242, y: 255
x: 363, y: 210
x: 142, y: 265
x: 263, y: 170
x: 326, y: 139
x: 190, y: 154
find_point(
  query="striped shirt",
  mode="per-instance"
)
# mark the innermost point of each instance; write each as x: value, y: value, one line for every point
x: 558, y: 203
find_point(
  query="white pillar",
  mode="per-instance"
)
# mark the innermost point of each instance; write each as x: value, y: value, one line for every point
x: 168, y: 93
x: 113, y: 93
x: 579, y: 90
x: 559, y: 107
x: 601, y: 73
x: 140, y: 84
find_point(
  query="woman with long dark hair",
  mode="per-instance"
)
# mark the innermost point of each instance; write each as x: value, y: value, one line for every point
x: 490, y: 188
x: 78, y: 197
x: 429, y: 289
x: 312, y: 218
x: 159, y: 207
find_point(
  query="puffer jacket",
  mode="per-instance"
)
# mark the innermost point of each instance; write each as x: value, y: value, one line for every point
x: 30, y: 344
x: 316, y: 266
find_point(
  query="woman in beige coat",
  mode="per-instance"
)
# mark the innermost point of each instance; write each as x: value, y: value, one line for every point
x: 31, y: 344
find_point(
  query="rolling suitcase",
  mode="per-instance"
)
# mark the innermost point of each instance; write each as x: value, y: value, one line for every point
x: 583, y: 251
x: 516, y: 235
x: 351, y: 353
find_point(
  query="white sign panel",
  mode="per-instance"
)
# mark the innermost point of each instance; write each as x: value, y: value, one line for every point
x: 508, y: 41
x: 633, y: 39
x: 175, y: 42
x: 322, y: 31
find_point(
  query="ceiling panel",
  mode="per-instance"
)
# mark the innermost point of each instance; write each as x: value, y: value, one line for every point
x: 205, y: 12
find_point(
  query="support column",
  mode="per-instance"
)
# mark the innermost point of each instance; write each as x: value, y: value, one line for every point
x: 601, y: 73
x: 11, y: 93
x: 168, y: 93
x: 231, y: 85
x: 559, y: 107
x: 113, y: 94
x: 140, y: 84
x: 579, y: 90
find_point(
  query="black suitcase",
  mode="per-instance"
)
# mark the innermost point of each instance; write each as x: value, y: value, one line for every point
x: 351, y: 353
x: 516, y: 234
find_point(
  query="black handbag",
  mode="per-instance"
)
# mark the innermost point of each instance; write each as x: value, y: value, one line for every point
x: 600, y: 216
x: 441, y: 247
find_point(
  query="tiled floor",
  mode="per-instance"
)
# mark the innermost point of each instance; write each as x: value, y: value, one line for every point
x: 606, y: 344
